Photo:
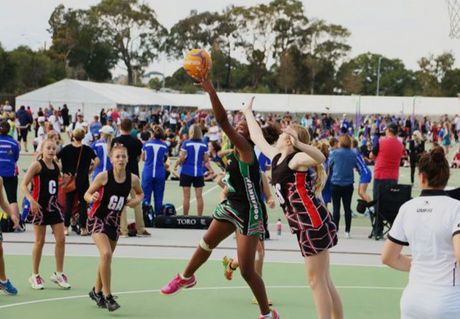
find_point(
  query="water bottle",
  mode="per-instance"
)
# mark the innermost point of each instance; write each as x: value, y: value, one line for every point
x: 278, y: 227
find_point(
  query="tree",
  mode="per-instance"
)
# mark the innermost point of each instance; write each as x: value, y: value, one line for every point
x: 133, y: 31
x: 78, y: 41
x: 432, y: 71
x: 7, y: 70
x: 450, y: 83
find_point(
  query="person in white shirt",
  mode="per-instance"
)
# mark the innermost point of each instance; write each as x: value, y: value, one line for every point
x: 54, y: 120
x: 430, y: 225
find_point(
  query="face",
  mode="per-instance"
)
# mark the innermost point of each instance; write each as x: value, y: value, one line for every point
x: 242, y: 128
x: 283, y: 141
x: 119, y: 158
x: 49, y: 149
x: 210, y: 147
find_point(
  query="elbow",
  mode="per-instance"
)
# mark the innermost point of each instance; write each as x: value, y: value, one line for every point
x: 386, y: 259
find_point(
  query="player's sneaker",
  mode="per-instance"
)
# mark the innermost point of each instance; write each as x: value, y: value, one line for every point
x: 36, y: 282
x: 111, y: 304
x: 98, y: 298
x: 177, y: 284
x: 228, y: 270
x: 8, y: 288
x: 60, y: 280
x: 275, y: 315
x: 255, y: 302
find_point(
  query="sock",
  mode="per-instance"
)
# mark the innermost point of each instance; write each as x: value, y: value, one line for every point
x: 58, y: 273
x: 3, y: 281
x: 183, y: 277
x: 35, y: 275
x: 268, y: 316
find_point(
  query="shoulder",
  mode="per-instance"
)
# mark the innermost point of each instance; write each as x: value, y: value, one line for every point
x: 101, y: 178
x: 135, y: 179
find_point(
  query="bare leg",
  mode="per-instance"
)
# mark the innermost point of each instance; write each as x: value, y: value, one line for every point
x: 327, y: 301
x: 186, y: 200
x: 59, y: 249
x: 260, y: 256
x: 2, y: 264
x: 247, y: 246
x: 362, y: 192
x: 40, y: 232
x: 199, y: 200
x: 106, y: 248
x: 217, y: 232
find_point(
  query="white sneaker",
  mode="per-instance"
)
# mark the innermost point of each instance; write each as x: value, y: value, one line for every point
x: 347, y: 235
x: 36, y: 282
x: 60, y: 280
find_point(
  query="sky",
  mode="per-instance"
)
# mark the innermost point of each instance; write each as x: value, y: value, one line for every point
x: 404, y: 29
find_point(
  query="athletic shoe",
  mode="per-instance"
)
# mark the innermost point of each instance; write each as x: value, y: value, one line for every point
x: 177, y: 284
x: 255, y: 302
x: 228, y: 271
x: 36, y: 282
x: 111, y: 304
x: 98, y: 298
x: 275, y: 315
x: 60, y: 280
x: 145, y: 233
x: 8, y: 288
x: 347, y: 235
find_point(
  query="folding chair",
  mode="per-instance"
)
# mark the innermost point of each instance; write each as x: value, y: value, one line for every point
x: 391, y: 198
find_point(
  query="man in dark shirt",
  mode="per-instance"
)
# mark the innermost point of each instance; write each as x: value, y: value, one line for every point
x: 134, y: 147
x: 25, y: 120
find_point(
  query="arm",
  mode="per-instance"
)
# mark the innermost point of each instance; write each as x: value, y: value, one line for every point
x: 143, y: 156
x: 241, y: 144
x: 392, y: 257
x: 31, y: 172
x: 92, y: 194
x: 94, y: 164
x: 136, y: 186
x: 309, y: 155
x: 267, y: 192
x: 256, y: 132
x: 181, y: 159
x: 456, y: 242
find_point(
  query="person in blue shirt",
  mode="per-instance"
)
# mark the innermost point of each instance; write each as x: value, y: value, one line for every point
x: 365, y: 174
x: 342, y: 163
x: 9, y: 155
x: 95, y: 128
x: 102, y: 149
x: 154, y: 153
x: 192, y: 157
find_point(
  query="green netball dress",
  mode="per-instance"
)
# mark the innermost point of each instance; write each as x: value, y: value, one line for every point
x: 243, y: 207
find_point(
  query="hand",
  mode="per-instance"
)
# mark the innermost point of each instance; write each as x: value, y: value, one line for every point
x: 15, y: 220
x: 247, y: 108
x: 292, y: 134
x: 94, y: 197
x: 271, y: 203
x: 131, y: 203
x: 35, y: 208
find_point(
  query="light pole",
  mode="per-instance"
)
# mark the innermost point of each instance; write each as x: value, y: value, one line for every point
x: 378, y: 76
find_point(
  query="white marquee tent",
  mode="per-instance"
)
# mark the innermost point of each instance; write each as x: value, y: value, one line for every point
x: 91, y: 97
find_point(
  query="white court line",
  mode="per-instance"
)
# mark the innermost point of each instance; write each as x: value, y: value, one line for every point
x: 194, y: 199
x: 133, y: 292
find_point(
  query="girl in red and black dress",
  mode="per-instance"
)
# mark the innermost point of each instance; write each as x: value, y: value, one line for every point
x: 44, y: 210
x: 108, y: 195
x: 297, y: 175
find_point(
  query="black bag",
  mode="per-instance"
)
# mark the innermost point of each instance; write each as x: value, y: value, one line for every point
x: 148, y: 214
x: 6, y: 224
x: 168, y: 210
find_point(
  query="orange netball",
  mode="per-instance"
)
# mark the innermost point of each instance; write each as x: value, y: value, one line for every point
x: 197, y: 64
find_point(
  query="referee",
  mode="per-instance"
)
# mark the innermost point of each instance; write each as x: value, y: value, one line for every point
x: 430, y: 225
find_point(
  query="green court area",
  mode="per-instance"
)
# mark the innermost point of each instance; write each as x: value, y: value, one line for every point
x: 367, y: 292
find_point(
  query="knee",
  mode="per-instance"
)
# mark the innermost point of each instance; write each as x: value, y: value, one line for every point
x: 315, y: 280
x: 40, y: 243
x: 106, y: 256
x: 60, y: 241
x: 247, y: 273
x: 260, y: 255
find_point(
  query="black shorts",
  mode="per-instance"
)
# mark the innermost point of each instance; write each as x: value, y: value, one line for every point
x: 10, y: 184
x: 23, y: 134
x: 187, y: 181
x: 46, y: 218
x: 97, y: 225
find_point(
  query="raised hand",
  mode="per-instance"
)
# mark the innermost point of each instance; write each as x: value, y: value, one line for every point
x: 247, y: 108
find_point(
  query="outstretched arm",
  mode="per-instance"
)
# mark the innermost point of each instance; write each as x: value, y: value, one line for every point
x: 240, y: 143
x: 256, y: 133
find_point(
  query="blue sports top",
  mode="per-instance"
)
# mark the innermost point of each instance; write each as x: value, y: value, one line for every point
x: 100, y: 148
x: 361, y: 164
x: 155, y: 153
x: 9, y: 155
x: 193, y: 165
x: 263, y: 160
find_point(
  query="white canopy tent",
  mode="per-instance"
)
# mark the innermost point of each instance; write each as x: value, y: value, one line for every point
x: 91, y: 97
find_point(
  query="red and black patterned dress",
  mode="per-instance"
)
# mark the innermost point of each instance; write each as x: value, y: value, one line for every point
x: 45, y: 192
x: 307, y: 216
x: 105, y: 212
